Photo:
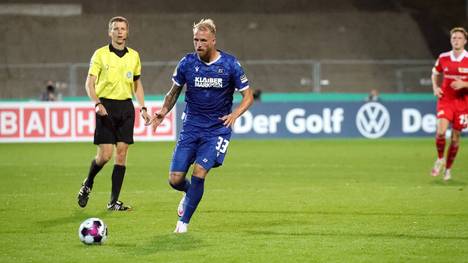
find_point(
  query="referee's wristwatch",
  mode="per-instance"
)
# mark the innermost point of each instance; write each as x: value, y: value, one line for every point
x: 143, y: 109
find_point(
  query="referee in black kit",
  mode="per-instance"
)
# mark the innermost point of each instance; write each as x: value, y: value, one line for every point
x: 113, y: 77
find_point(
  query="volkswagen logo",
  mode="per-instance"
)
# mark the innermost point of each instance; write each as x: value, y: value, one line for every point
x: 372, y: 120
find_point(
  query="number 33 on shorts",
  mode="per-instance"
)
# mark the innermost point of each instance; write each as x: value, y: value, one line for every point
x: 222, y: 145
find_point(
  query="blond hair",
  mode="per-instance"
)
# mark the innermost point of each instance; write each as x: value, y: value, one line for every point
x: 117, y: 19
x: 459, y: 29
x: 205, y: 25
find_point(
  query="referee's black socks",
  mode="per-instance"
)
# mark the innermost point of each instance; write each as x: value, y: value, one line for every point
x: 117, y: 181
x: 93, y: 171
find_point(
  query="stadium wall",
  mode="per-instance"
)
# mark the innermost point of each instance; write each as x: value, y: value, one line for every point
x: 56, y: 43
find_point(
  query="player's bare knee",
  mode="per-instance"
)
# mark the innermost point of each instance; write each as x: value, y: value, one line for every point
x: 199, y: 171
x: 455, y: 139
x: 440, y: 133
x: 176, y: 178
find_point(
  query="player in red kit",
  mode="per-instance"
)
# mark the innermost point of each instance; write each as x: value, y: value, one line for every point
x: 450, y: 68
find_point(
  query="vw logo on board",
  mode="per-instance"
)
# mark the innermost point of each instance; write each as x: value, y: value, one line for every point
x: 373, y: 120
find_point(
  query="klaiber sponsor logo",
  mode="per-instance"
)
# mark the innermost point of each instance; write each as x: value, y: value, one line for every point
x: 203, y: 82
x: 372, y: 120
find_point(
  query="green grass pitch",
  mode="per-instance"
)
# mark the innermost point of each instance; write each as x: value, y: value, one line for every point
x: 272, y: 201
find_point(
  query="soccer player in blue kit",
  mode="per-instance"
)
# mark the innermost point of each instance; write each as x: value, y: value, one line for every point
x: 211, y: 76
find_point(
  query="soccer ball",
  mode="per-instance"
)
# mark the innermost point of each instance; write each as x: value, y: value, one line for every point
x: 93, y: 231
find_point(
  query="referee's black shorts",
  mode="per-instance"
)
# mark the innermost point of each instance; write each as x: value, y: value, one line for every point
x: 117, y: 126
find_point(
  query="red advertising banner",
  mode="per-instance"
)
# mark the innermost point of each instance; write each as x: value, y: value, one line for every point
x: 69, y: 122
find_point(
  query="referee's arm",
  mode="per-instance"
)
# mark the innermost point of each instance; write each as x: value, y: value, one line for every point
x: 140, y: 96
x: 91, y: 90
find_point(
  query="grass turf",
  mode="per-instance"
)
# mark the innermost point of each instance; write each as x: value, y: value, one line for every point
x: 272, y: 201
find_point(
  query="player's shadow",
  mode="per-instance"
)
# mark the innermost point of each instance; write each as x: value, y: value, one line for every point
x: 255, y: 228
x: 77, y: 217
x: 449, y: 183
x: 269, y: 213
x: 366, y: 235
x: 164, y: 243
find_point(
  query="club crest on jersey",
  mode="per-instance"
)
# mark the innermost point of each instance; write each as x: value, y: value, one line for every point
x: 220, y: 71
x: 243, y: 78
x: 203, y: 82
x: 197, y: 68
x: 463, y: 70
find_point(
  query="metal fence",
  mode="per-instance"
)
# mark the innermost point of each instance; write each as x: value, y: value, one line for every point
x: 392, y: 76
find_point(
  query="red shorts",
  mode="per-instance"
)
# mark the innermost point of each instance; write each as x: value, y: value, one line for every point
x: 453, y: 111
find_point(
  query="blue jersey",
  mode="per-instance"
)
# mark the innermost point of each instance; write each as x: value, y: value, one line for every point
x: 210, y: 87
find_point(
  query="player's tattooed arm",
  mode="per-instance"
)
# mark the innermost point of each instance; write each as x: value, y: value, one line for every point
x: 171, y: 98
x: 169, y: 101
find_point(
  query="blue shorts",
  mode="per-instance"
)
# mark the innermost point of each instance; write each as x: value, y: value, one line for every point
x: 205, y: 146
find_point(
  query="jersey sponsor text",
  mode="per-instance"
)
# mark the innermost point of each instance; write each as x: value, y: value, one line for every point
x: 203, y: 82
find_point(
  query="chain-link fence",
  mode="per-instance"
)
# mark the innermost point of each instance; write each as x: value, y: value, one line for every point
x: 390, y: 76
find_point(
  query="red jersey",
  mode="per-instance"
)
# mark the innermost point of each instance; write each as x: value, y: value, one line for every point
x: 452, y: 67
x: 453, y: 105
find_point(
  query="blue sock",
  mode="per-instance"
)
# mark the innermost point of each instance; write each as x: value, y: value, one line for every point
x: 193, y: 197
x: 182, y: 186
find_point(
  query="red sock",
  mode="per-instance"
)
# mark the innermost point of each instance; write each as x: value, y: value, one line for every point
x: 452, y: 152
x: 440, y: 145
